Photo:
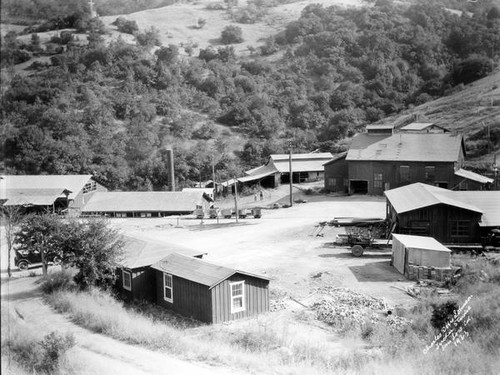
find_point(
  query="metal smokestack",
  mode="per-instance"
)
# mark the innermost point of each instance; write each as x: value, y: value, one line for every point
x: 171, y: 175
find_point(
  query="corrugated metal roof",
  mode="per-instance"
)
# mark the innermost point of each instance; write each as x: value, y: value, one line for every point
x: 37, y: 197
x: 412, y: 197
x: 139, y: 253
x: 197, y: 270
x: 148, y: 201
x: 444, y: 147
x: 73, y: 183
x: 263, y: 169
x: 473, y: 176
x: 312, y: 162
x: 421, y: 242
x: 417, y: 126
x: 486, y: 200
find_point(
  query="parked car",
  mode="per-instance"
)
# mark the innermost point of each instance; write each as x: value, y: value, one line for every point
x: 492, y: 240
x: 24, y: 259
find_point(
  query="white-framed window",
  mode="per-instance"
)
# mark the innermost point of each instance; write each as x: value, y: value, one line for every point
x: 237, y: 296
x: 126, y: 280
x: 168, y: 291
x: 377, y: 180
x: 90, y: 186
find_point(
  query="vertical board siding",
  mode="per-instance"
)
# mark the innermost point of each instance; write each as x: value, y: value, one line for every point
x: 256, y: 298
x: 189, y: 298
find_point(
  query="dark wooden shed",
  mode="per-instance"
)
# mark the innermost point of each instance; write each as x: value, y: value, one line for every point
x: 208, y: 292
x: 135, y: 277
x: 426, y: 210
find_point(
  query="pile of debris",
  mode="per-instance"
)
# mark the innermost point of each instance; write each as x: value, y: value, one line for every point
x: 340, y: 306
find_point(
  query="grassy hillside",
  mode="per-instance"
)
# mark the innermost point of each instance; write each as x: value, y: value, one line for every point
x: 469, y: 109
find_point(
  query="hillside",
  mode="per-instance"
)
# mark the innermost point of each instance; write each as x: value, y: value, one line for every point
x: 177, y: 23
x: 470, y: 109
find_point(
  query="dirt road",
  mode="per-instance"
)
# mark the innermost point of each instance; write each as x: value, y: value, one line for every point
x: 93, y: 353
x: 279, y: 245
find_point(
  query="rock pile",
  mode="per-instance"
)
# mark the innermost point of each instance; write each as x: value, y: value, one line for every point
x: 340, y: 306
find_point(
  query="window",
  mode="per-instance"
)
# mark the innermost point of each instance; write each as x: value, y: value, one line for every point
x: 404, y: 173
x: 127, y: 280
x: 89, y: 186
x: 237, y: 296
x: 168, y: 294
x: 430, y: 173
x: 460, y: 228
x: 377, y: 180
x: 331, y: 182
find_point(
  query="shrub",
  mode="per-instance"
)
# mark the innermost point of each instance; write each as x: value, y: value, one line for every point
x: 442, y: 313
x: 56, y: 281
x: 231, y: 34
x: 126, y: 26
x: 52, y: 348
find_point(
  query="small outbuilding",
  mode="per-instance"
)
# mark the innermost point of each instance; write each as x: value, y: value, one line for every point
x: 418, y: 251
x: 208, y: 292
x: 135, y: 277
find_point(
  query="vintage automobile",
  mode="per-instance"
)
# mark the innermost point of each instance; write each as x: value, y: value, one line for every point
x: 24, y: 259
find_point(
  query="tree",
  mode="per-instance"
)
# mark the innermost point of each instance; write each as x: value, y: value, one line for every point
x: 11, y: 218
x: 40, y: 234
x: 94, y: 248
x: 231, y: 34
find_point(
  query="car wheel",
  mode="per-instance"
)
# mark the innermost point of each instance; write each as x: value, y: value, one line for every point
x: 23, y: 265
x: 357, y: 250
x: 56, y: 261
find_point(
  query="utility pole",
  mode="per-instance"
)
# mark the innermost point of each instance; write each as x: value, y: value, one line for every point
x: 213, y: 177
x: 236, y: 198
x: 291, y: 171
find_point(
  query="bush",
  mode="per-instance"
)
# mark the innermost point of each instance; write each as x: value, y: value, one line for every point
x: 231, y: 34
x: 126, y: 26
x: 442, y: 313
x: 52, y: 348
x: 57, y: 281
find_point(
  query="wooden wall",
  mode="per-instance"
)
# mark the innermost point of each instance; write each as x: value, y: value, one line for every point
x: 336, y: 173
x: 439, y: 219
x: 256, y: 298
x: 391, y: 177
x: 189, y: 298
x: 143, y: 284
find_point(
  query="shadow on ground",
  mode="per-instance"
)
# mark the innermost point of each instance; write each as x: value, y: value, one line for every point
x: 376, y: 271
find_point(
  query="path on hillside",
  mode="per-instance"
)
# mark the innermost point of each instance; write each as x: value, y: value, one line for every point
x: 94, y: 353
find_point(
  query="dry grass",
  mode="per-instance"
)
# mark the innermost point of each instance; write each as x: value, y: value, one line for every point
x: 263, y: 345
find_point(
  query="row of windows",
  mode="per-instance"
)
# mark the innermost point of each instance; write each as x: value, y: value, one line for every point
x: 90, y: 186
x: 237, y: 290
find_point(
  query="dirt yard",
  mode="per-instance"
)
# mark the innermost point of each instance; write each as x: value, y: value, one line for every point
x: 280, y: 246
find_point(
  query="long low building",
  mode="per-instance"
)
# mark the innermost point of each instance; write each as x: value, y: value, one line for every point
x: 144, y: 203
x: 448, y: 216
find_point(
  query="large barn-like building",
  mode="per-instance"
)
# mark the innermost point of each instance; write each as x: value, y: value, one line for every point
x: 379, y: 160
x: 305, y: 168
x: 448, y: 216
x: 52, y: 193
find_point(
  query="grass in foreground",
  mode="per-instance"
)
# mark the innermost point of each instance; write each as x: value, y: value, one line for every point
x: 258, y: 346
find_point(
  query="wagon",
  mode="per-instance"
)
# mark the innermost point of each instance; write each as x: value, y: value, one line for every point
x: 227, y: 213
x: 362, y: 233
x: 257, y: 212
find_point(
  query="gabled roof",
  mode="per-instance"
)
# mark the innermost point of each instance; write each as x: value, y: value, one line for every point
x: 312, y: 162
x: 27, y: 197
x: 379, y: 127
x: 337, y: 157
x: 486, y: 200
x: 35, y: 184
x: 427, y: 147
x: 473, y: 176
x: 139, y: 253
x: 419, y: 126
x: 412, y: 197
x: 421, y: 242
x: 145, y: 201
x: 197, y: 270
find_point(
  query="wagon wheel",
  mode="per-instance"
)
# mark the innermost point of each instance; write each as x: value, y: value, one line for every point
x: 357, y: 250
